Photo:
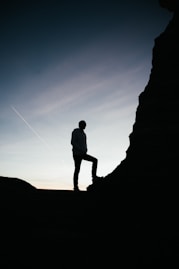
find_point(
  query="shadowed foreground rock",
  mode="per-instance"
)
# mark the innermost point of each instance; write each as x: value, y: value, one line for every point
x: 64, y: 229
x: 43, y: 228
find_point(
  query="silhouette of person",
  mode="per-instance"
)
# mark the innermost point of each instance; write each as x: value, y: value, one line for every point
x: 79, y: 150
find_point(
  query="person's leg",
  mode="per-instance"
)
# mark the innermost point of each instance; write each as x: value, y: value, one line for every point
x: 94, y: 161
x: 77, y: 162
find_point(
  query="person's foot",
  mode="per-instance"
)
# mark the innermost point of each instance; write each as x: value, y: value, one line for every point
x: 96, y: 179
x: 76, y: 189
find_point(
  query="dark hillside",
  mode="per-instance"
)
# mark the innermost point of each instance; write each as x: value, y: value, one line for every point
x: 46, y: 227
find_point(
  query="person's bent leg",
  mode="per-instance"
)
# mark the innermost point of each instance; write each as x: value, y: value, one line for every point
x: 94, y: 164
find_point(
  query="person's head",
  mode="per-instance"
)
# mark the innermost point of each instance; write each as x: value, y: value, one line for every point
x: 82, y: 124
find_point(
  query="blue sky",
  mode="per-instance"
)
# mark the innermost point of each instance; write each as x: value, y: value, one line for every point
x: 63, y: 61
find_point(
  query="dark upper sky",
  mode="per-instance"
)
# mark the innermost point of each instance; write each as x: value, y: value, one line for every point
x: 48, y: 30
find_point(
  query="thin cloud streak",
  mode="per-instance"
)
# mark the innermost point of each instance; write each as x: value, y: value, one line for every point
x: 30, y: 127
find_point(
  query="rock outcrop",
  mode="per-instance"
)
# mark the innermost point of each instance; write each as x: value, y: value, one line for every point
x: 139, y: 199
x: 154, y: 146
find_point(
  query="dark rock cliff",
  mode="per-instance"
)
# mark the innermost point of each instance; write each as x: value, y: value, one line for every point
x: 153, y: 150
x: 139, y: 199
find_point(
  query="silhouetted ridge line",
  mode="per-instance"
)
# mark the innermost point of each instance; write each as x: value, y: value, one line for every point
x: 15, y: 185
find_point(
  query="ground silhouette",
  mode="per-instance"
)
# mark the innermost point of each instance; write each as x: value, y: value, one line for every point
x: 43, y: 227
x: 126, y: 220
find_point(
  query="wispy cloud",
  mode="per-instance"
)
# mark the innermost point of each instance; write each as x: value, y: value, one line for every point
x: 31, y: 128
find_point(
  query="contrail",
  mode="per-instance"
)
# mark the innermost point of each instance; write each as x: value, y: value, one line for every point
x: 30, y: 127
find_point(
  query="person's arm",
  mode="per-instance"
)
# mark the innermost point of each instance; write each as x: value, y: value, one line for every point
x: 74, y: 139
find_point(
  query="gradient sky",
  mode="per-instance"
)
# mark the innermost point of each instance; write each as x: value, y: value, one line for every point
x: 64, y: 61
